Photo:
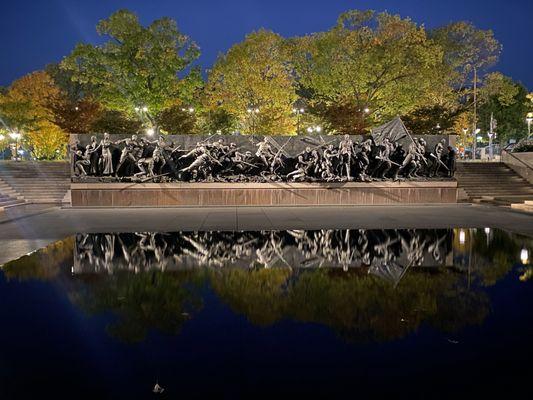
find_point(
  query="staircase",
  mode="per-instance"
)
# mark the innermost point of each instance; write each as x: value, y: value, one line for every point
x: 34, y: 182
x: 492, y: 183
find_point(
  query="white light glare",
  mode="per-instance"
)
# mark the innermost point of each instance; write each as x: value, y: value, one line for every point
x: 462, y: 237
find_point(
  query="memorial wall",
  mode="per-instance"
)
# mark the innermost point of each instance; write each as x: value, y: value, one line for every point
x: 211, y: 170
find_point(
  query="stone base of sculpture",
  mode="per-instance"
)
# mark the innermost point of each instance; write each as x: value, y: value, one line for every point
x: 262, y: 194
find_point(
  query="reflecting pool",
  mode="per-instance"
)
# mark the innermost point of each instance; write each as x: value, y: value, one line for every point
x: 425, y: 313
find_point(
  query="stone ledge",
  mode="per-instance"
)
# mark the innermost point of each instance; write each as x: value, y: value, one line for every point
x: 262, y: 185
x: 261, y: 194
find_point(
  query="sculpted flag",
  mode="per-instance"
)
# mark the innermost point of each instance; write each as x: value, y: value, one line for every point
x: 393, y: 130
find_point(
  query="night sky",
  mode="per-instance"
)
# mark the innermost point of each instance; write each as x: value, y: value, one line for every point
x: 37, y: 32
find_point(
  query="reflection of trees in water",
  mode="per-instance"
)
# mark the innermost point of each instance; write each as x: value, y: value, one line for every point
x: 43, y: 264
x: 358, y: 306
x: 155, y: 300
x: 493, y: 258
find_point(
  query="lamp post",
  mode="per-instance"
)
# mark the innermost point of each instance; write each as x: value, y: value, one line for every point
x: 16, y: 136
x: 474, y: 130
x: 142, y: 112
x: 492, y: 135
x: 298, y: 112
x: 529, y: 120
x: 2, y: 138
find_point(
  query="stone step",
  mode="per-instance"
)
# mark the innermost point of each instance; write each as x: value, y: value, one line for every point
x: 522, y: 207
x: 12, y: 202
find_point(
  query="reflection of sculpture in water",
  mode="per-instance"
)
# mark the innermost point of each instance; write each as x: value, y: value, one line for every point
x: 384, y: 251
x: 142, y: 160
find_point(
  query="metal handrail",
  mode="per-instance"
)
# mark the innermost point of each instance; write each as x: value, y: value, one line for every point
x: 516, y: 158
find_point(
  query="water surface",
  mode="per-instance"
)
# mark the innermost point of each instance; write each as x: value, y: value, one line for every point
x: 428, y: 313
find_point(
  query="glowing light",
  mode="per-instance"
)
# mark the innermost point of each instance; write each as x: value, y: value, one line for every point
x: 478, y: 130
x: 366, y: 110
x: 191, y: 109
x: 14, y: 135
x: 301, y: 110
x: 462, y: 237
x: 137, y: 109
x: 145, y: 109
x: 309, y: 129
x: 487, y: 231
x: 256, y: 110
x: 524, y: 256
x: 76, y: 108
x: 318, y: 128
x: 150, y: 131
x: 2, y: 137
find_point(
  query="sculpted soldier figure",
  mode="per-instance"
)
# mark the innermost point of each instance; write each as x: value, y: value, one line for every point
x: 346, y: 153
x: 94, y: 159
x: 84, y: 160
x: 265, y: 152
x: 302, y: 166
x: 450, y: 160
x: 242, y: 161
x: 146, y: 164
x: 363, y: 161
x: 202, y: 164
x: 420, y: 156
x: 132, y: 151
x: 438, y: 156
x: 329, y: 156
x: 165, y: 151
x: 410, y: 161
x: 106, y: 159
x: 384, y: 162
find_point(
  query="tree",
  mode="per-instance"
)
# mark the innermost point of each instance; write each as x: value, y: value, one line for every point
x: 177, y: 120
x: 465, y: 48
x: 115, y: 122
x: 27, y: 107
x: 507, y: 102
x: 137, y: 66
x: 77, y: 111
x: 374, y: 66
x: 254, y: 82
x: 217, y: 120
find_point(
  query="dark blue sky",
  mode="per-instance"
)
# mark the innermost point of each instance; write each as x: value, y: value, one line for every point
x: 37, y: 32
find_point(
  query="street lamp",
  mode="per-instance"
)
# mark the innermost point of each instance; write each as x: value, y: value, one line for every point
x: 150, y: 131
x: 529, y: 120
x: 315, y: 128
x: 298, y: 112
x: 2, y: 138
x: 16, y: 136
